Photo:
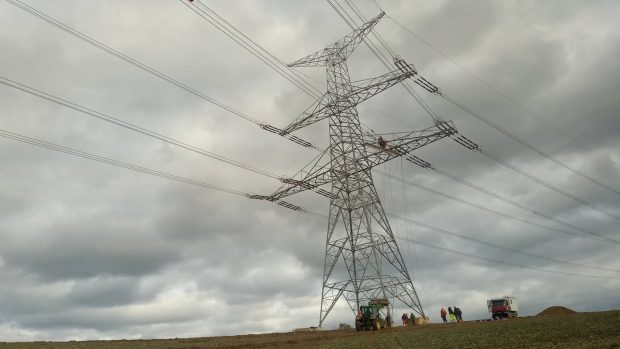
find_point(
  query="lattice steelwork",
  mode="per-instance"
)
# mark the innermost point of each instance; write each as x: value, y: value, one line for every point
x: 362, y: 259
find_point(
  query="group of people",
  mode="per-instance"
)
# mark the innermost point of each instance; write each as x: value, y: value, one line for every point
x: 456, y: 315
x: 407, y: 319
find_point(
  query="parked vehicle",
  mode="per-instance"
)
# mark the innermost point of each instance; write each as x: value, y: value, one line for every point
x: 369, y: 316
x: 501, y: 308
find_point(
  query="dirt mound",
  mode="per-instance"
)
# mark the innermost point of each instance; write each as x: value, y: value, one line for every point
x: 556, y: 310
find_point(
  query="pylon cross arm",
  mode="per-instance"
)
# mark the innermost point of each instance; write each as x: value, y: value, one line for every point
x: 323, y: 174
x: 383, y: 150
x: 363, y: 90
x: 315, y: 59
x: 341, y: 48
x: 313, y: 181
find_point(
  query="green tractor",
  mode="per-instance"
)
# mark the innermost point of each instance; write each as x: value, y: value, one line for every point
x: 369, y: 316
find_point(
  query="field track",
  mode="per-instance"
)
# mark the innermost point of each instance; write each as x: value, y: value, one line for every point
x: 578, y: 330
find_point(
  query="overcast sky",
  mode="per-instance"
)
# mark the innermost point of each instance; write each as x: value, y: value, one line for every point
x: 92, y: 251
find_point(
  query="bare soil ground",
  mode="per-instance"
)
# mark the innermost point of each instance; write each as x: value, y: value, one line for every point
x: 562, y: 330
x: 556, y: 310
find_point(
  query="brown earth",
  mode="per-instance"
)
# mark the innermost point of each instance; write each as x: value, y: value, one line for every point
x: 556, y: 310
x: 599, y: 330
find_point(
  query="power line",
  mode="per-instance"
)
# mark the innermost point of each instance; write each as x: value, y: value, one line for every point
x: 374, y: 32
x: 462, y: 181
x: 191, y: 90
x: 126, y: 58
x: 406, y: 210
x: 491, y: 260
x: 281, y: 64
x: 550, y: 186
x: 581, y: 201
x: 521, y: 206
x: 524, y: 143
x: 76, y: 109
x: 499, y: 247
x: 495, y: 261
x: 90, y: 156
x: 58, y: 24
x: 251, y: 46
x: 483, y: 208
x: 491, y: 156
x: 146, y: 132
x: 129, y: 126
x: 373, y: 48
x: 109, y: 161
x: 386, y: 61
x: 266, y: 56
x: 511, y: 100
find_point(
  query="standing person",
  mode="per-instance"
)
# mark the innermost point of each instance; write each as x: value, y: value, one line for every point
x: 457, y: 311
x: 405, y: 319
x: 443, y: 315
x: 451, y: 313
x: 388, y: 320
x: 412, y: 319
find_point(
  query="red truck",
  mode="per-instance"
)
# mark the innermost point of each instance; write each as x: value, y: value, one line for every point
x: 501, y: 308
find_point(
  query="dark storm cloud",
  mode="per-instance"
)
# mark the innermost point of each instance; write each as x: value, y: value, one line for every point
x: 83, y: 243
x: 72, y: 253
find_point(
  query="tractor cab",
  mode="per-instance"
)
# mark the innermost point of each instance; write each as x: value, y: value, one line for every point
x: 369, y: 316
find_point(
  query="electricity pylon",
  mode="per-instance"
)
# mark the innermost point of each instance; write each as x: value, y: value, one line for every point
x: 362, y: 259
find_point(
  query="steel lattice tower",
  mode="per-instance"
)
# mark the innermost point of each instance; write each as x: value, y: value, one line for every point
x: 362, y: 258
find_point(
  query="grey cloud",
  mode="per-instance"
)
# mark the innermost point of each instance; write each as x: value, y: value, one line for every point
x: 69, y: 251
x: 106, y: 292
x: 84, y: 243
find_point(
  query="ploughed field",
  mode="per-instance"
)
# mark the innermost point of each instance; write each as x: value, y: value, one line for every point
x: 551, y: 329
